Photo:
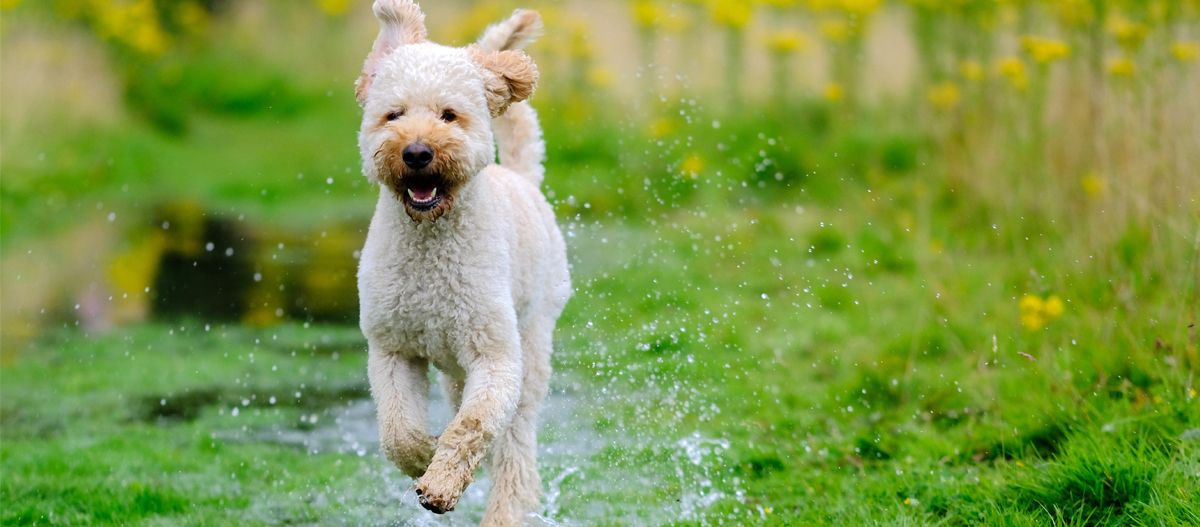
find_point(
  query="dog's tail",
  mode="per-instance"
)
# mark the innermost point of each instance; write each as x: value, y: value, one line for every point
x: 518, y: 133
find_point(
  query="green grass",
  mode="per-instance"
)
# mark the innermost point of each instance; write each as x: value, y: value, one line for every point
x: 823, y: 326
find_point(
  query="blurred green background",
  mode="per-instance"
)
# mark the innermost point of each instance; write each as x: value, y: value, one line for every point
x: 836, y: 262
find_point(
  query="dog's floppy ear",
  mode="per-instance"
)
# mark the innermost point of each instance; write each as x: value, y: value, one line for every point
x: 401, y: 22
x: 512, y: 78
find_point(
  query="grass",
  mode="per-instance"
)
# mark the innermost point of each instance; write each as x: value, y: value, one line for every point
x: 785, y: 317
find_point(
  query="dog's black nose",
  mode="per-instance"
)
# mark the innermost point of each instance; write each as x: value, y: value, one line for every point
x: 417, y: 156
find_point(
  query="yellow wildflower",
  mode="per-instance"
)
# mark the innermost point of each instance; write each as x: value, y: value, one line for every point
x: 1013, y: 69
x: 788, y: 41
x: 1129, y: 34
x: 1053, y: 307
x: 192, y: 17
x: 660, y: 127
x: 648, y: 13
x: 1185, y: 50
x: 820, y: 5
x: 579, y: 47
x: 333, y: 7
x: 1075, y: 12
x: 860, y: 7
x: 1036, y: 313
x: 834, y: 92
x: 945, y: 96
x: 1094, y: 184
x: 1045, y: 50
x: 692, y: 166
x: 732, y: 13
x: 972, y: 71
x: 600, y: 77
x: 1121, y: 67
x: 835, y: 29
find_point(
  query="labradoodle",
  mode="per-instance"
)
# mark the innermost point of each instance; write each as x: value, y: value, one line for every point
x: 464, y: 266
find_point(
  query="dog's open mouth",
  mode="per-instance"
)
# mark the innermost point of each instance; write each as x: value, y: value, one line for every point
x: 423, y: 193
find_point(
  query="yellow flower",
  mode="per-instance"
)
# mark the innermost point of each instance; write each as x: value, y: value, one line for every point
x: 1036, y: 313
x: 600, y: 77
x: 732, y: 13
x: 945, y: 96
x: 835, y: 29
x: 1075, y: 12
x: 833, y: 91
x: 661, y: 127
x: 788, y: 41
x: 972, y: 71
x: 1013, y: 69
x: 1129, y: 34
x: 1122, y: 67
x: 333, y: 7
x: 136, y: 24
x: 1094, y: 184
x: 9, y: 4
x: 579, y: 47
x: 648, y: 13
x: 860, y: 7
x: 692, y: 166
x: 1045, y: 50
x: 1053, y: 307
x: 1185, y: 50
x: 192, y: 17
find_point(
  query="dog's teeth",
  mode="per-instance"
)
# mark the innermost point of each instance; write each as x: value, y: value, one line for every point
x: 434, y: 193
x: 411, y: 195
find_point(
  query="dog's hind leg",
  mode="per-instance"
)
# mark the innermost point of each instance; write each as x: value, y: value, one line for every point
x: 516, y: 485
x: 400, y: 388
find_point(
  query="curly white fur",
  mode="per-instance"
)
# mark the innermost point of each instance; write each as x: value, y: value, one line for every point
x: 474, y: 291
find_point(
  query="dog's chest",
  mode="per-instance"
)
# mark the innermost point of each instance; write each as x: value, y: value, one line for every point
x: 418, y: 294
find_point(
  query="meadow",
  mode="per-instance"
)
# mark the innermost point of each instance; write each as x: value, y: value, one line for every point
x: 915, y: 263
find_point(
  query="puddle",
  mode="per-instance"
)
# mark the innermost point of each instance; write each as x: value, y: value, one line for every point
x: 582, y: 484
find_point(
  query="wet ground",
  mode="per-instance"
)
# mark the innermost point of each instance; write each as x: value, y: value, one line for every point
x: 581, y: 468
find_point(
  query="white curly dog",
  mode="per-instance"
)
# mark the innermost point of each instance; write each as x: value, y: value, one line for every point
x: 464, y: 267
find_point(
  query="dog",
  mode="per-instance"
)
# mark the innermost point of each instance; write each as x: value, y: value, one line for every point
x: 464, y: 266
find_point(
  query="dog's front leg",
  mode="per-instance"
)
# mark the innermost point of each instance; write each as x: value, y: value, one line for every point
x: 490, y: 397
x: 400, y: 387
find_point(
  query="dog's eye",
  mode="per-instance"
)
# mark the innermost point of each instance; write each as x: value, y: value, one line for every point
x: 449, y: 116
x: 395, y: 115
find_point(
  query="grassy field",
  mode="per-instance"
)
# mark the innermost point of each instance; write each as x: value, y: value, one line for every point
x: 911, y: 311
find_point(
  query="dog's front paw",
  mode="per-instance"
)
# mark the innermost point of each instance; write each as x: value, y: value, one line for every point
x: 411, y: 453
x: 438, y: 491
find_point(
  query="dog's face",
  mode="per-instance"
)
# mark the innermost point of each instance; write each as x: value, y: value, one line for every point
x: 427, y: 110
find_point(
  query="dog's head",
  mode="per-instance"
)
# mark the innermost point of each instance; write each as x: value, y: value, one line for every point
x: 428, y: 109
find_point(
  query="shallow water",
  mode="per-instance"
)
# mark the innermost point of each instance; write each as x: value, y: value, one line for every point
x: 581, y: 484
